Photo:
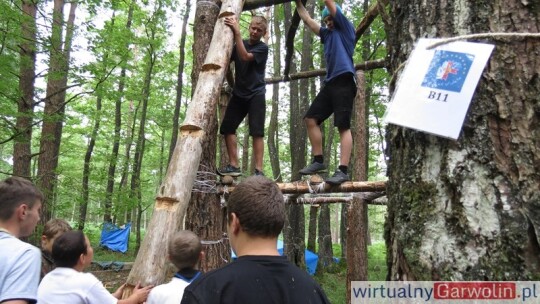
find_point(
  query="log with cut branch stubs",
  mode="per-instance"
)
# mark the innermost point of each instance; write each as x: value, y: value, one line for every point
x: 302, y: 187
x: 150, y: 266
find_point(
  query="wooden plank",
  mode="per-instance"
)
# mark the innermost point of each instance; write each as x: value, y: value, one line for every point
x: 302, y: 187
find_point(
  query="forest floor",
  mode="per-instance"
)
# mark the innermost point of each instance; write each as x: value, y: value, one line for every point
x: 111, y: 278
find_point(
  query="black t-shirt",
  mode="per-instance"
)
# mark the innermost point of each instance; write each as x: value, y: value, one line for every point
x: 258, y: 280
x: 249, y: 75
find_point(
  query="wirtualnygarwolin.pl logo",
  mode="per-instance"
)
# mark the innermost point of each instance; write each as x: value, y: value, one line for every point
x: 500, y: 292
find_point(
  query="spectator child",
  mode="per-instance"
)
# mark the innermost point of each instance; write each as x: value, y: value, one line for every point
x: 185, y: 252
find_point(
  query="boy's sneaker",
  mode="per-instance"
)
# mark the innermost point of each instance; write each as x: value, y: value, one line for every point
x: 338, y: 178
x: 258, y: 173
x: 229, y: 170
x: 313, y: 168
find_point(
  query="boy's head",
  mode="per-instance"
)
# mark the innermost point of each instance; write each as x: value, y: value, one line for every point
x: 327, y: 18
x: 184, y: 249
x: 20, y: 200
x: 51, y: 231
x: 325, y: 13
x: 70, y: 248
x: 258, y: 204
x: 257, y: 28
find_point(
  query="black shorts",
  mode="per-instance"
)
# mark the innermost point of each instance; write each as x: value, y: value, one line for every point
x: 337, y: 97
x: 238, y: 108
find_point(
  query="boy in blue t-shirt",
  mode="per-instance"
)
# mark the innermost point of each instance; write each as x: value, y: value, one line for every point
x: 337, y: 95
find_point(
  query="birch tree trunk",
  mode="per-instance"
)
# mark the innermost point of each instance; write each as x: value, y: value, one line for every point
x: 469, y: 209
x: 175, y: 192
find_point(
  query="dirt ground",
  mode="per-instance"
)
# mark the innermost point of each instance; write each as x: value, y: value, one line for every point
x: 112, y: 279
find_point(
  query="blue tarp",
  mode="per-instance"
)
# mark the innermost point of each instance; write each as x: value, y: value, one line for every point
x: 311, y: 258
x: 115, y: 238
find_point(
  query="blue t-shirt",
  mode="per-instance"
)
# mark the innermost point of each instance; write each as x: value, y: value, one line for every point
x: 338, y: 46
x: 249, y: 75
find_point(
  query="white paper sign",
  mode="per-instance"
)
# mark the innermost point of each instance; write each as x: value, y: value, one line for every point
x: 437, y: 85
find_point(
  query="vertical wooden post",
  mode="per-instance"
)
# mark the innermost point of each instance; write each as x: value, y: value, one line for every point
x: 356, y: 242
x: 357, y: 221
x: 174, y: 194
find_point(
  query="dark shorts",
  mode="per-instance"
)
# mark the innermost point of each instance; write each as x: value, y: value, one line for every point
x: 238, y: 108
x: 337, y: 97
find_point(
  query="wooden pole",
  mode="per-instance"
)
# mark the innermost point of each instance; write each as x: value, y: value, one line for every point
x: 356, y: 243
x: 357, y: 220
x: 368, y: 197
x: 175, y: 192
x: 303, y: 187
x: 365, y: 66
x: 371, y: 14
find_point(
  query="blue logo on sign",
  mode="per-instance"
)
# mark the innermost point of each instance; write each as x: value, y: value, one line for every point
x: 448, y: 71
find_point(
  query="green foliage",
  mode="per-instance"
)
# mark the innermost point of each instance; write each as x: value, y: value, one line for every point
x: 334, y: 283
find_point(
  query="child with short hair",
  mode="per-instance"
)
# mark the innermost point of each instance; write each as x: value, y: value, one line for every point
x: 20, y: 209
x: 185, y: 252
x: 67, y: 283
x: 52, y: 229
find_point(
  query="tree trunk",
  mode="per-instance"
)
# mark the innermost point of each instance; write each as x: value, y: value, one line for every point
x: 204, y: 212
x: 294, y: 231
x: 22, y: 152
x: 122, y: 186
x: 273, y: 126
x: 86, y: 167
x: 325, y: 251
x: 180, y: 83
x: 356, y: 243
x: 357, y: 215
x: 51, y: 133
x: 224, y: 98
x: 312, y: 229
x: 175, y: 192
x: 469, y: 209
x: 152, y: 29
x: 107, y: 217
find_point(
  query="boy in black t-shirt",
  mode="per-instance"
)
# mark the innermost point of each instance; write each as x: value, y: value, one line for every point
x: 249, y: 90
x: 256, y: 215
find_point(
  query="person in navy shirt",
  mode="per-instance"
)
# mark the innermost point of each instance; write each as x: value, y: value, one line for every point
x: 337, y: 95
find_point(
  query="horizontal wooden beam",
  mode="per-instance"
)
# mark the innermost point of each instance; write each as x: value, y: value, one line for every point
x: 369, y: 17
x: 369, y: 197
x: 365, y: 66
x: 253, y: 4
x: 302, y: 187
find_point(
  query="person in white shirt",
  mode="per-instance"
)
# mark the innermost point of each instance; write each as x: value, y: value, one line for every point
x: 20, y: 262
x: 185, y: 252
x: 72, y: 253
